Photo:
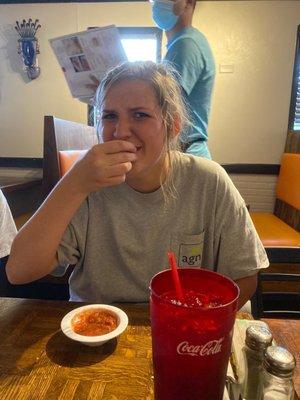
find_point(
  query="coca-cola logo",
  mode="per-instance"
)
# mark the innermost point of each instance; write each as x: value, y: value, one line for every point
x: 207, y: 349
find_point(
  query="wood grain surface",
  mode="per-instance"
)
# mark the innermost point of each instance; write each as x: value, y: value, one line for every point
x: 37, y: 362
x: 286, y: 333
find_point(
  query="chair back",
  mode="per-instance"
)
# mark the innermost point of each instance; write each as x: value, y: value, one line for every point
x: 64, y: 142
x: 287, y: 205
x: 67, y: 158
x: 288, y: 184
x: 283, y: 298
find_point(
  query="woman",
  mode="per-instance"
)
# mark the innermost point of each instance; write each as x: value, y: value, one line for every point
x: 133, y: 197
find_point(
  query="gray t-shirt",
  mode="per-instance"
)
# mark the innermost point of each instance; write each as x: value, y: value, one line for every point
x: 119, y: 238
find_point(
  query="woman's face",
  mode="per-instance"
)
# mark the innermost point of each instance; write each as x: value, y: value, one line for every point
x: 130, y: 112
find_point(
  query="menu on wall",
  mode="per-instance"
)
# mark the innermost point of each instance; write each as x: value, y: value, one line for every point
x: 87, y: 55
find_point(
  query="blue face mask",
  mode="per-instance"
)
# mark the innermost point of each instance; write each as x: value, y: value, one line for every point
x: 163, y: 15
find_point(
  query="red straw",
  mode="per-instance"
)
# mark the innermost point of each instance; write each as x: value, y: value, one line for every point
x: 176, y: 281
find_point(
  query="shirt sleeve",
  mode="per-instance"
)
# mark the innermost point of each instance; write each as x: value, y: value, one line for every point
x: 67, y: 252
x: 240, y: 251
x: 8, y: 228
x: 71, y: 249
x: 187, y: 59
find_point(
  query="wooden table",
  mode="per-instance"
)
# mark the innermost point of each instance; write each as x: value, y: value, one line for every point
x: 37, y: 362
x: 286, y: 333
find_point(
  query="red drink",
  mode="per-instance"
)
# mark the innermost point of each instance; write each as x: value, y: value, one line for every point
x: 192, y: 341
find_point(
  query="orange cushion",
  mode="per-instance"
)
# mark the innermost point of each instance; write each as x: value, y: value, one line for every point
x: 288, y: 186
x: 273, y: 232
x: 67, y: 158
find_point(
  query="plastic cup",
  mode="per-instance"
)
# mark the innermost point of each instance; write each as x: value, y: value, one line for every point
x: 191, y: 344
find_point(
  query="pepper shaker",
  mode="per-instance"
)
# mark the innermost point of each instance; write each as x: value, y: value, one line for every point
x: 258, y: 338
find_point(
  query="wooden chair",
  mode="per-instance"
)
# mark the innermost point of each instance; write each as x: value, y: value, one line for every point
x: 64, y: 142
x: 278, y: 303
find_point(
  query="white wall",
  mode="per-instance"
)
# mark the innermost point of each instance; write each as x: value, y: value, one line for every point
x: 250, y: 106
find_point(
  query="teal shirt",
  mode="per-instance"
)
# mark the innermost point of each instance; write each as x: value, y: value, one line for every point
x: 190, y: 54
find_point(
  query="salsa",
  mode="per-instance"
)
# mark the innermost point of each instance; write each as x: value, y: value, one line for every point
x: 94, y: 322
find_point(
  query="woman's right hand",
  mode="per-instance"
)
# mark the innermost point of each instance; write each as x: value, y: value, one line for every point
x: 103, y: 165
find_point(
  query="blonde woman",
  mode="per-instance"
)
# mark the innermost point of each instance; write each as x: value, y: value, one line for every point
x: 133, y: 197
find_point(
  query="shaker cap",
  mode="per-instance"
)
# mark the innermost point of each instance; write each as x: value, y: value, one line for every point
x: 279, y: 361
x: 258, y: 337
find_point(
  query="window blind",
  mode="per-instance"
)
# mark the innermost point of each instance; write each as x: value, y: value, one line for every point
x: 294, y: 118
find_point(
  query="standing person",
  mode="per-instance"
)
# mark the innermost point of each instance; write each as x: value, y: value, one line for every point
x: 133, y: 197
x: 189, y: 52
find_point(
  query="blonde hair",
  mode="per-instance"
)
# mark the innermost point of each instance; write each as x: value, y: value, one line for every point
x: 164, y: 81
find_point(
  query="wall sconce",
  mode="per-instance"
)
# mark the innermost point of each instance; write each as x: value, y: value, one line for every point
x: 29, y: 46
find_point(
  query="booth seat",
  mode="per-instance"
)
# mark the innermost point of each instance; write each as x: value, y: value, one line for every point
x: 274, y: 232
x: 281, y: 228
x: 279, y: 233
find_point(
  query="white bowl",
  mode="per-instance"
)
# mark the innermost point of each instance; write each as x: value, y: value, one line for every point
x: 66, y: 325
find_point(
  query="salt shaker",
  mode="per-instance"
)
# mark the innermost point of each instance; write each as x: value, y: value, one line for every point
x: 258, y: 338
x: 278, y: 369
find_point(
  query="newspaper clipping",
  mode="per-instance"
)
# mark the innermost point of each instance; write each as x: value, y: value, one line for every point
x: 88, y: 54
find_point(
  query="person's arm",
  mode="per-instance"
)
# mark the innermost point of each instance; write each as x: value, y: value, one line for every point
x: 33, y: 253
x: 247, y: 287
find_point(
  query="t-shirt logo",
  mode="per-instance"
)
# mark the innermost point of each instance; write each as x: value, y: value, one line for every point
x: 190, y: 255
